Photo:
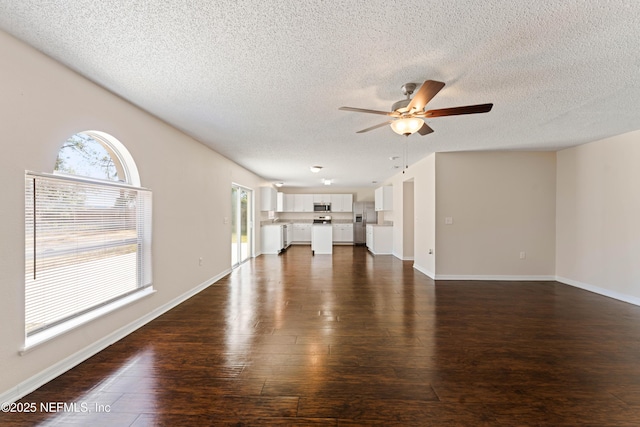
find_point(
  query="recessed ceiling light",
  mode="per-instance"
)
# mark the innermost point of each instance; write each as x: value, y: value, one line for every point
x: 327, y: 182
x: 394, y: 157
x: 315, y: 169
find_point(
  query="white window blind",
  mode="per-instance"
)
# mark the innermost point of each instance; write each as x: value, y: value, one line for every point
x: 88, y: 243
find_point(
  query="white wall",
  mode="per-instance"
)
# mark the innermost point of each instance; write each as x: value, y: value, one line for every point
x: 422, y: 174
x: 42, y: 104
x: 598, y: 216
x: 501, y: 203
x: 408, y: 222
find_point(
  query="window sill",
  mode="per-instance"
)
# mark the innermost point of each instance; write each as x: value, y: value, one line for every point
x: 48, y: 334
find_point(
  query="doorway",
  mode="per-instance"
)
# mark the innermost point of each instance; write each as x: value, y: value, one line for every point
x: 408, y: 220
x: 241, y: 224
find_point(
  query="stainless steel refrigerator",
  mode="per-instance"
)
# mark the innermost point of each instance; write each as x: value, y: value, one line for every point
x: 363, y: 213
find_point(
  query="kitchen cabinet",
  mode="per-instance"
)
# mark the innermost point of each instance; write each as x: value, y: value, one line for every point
x: 321, y: 198
x: 347, y: 203
x: 280, y: 202
x: 321, y: 239
x: 342, y: 233
x: 286, y: 203
x: 341, y: 202
x: 379, y: 239
x: 287, y: 234
x: 384, y: 198
x: 273, y: 238
x: 302, y: 233
x: 268, y: 199
x: 303, y: 203
x: 289, y: 203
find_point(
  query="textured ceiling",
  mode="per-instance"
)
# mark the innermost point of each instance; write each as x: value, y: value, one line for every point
x: 261, y: 81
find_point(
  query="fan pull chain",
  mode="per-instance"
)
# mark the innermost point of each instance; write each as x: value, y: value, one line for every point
x: 405, y: 156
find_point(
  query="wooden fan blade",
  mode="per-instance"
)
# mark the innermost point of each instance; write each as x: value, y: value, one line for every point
x: 427, y: 91
x: 457, y: 111
x: 363, y: 110
x: 425, y: 130
x: 375, y: 127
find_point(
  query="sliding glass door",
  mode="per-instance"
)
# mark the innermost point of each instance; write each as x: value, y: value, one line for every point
x: 241, y: 224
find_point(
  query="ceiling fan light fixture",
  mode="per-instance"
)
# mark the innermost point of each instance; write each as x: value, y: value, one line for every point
x: 407, y: 126
x: 315, y: 169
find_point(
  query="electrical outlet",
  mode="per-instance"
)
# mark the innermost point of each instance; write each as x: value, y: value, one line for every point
x: 200, y: 261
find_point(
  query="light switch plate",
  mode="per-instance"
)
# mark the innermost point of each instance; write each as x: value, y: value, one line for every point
x: 448, y: 220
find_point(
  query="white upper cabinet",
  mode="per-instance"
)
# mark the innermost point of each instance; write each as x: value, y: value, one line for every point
x: 268, y: 199
x: 341, y: 202
x: 384, y: 198
x: 289, y: 203
x: 347, y: 202
x: 285, y: 202
x: 303, y: 202
x: 280, y: 202
x: 321, y: 198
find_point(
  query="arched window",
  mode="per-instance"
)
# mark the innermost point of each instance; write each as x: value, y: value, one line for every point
x: 88, y: 236
x: 98, y: 155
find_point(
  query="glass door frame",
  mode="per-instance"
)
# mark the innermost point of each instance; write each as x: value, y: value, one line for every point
x: 238, y: 250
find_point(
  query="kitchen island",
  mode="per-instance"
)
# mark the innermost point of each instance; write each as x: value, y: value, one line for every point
x: 379, y: 239
x: 321, y: 239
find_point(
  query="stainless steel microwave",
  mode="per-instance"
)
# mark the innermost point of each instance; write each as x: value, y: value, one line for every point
x: 322, y: 207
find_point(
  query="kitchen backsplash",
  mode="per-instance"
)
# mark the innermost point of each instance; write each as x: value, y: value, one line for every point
x: 304, y: 217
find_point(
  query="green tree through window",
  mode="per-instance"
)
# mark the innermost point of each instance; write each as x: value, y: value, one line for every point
x: 83, y: 155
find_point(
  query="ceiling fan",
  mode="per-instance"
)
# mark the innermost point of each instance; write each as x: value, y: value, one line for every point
x: 408, y: 113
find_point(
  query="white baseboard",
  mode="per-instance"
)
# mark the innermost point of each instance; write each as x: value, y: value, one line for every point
x: 520, y: 278
x: 380, y: 253
x: 403, y: 258
x: 585, y: 286
x: 423, y: 270
x: 40, y: 379
x: 600, y: 291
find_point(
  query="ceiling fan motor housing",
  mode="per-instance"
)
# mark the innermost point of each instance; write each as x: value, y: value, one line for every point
x: 401, y: 106
x: 408, y: 89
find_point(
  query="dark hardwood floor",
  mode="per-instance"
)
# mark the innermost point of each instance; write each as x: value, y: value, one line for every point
x: 352, y: 339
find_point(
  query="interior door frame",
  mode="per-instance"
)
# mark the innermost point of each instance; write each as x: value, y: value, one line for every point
x: 250, y: 224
